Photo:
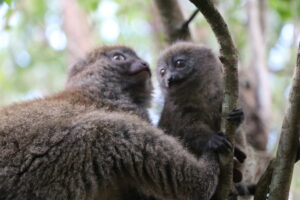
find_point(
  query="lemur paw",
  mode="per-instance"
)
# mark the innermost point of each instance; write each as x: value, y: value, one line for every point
x: 243, y: 189
x: 236, y: 116
x: 219, y: 143
x: 239, y: 154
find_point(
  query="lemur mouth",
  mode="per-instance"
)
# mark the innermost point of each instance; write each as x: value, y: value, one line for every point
x: 140, y: 69
x: 173, y: 82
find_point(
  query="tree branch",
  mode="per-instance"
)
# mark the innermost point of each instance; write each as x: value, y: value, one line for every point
x: 288, y: 144
x: 172, y: 19
x: 80, y: 36
x: 259, y: 64
x: 229, y: 58
x: 185, y: 25
x: 262, y: 187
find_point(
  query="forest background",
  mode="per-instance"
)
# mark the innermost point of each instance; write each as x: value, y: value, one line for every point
x: 39, y: 39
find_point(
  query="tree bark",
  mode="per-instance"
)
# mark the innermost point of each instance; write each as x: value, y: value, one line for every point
x: 77, y: 29
x: 262, y: 10
x: 229, y: 58
x: 157, y: 29
x: 288, y: 144
x: 262, y: 187
x: 259, y: 67
x: 172, y: 20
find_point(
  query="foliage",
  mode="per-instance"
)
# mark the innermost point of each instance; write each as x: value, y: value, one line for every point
x: 33, y: 54
x: 33, y: 65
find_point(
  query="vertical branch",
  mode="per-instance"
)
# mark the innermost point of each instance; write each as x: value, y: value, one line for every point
x: 288, y: 144
x: 172, y: 19
x: 78, y: 31
x: 156, y: 28
x: 262, y: 7
x: 259, y: 63
x: 263, y: 184
x: 254, y: 126
x: 229, y: 58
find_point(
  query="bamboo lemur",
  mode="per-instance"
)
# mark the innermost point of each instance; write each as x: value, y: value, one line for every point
x: 190, y: 77
x: 93, y: 141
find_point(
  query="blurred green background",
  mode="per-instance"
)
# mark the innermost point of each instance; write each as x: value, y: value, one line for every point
x: 39, y: 39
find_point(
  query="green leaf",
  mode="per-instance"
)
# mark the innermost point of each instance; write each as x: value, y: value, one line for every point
x: 90, y: 5
x: 8, y: 2
x: 283, y: 8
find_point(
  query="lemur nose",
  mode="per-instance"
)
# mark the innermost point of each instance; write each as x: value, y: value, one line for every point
x: 170, y: 80
x: 144, y: 64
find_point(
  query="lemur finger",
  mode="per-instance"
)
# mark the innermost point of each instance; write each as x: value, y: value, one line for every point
x: 239, y: 154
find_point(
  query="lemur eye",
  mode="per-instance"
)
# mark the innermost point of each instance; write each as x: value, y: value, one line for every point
x: 119, y: 57
x: 162, y: 72
x: 179, y: 63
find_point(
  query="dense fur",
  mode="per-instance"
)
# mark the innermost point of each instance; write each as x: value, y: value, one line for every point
x: 92, y: 140
x: 193, y: 94
x: 190, y: 77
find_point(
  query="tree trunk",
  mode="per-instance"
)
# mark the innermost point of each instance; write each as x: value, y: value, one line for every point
x: 288, y: 144
x: 172, y: 20
x: 77, y: 29
x: 256, y: 29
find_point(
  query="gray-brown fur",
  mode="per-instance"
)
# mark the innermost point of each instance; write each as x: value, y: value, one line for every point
x: 192, y: 103
x: 92, y: 141
x: 192, y: 107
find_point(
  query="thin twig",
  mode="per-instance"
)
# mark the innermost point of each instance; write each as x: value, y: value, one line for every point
x: 185, y: 25
x: 229, y: 58
x: 172, y: 20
